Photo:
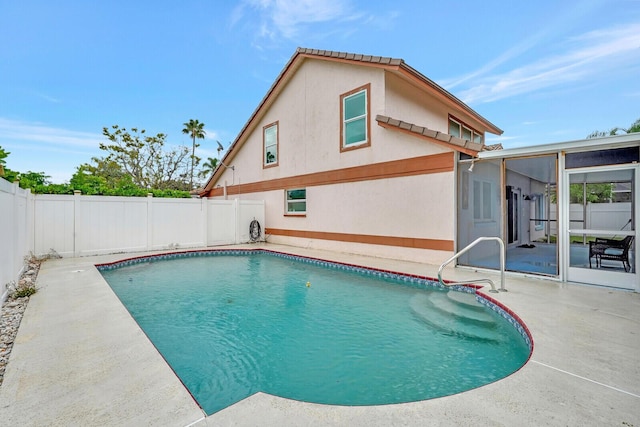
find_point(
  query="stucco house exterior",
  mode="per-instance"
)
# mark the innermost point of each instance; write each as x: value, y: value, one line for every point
x: 366, y: 155
x: 354, y: 153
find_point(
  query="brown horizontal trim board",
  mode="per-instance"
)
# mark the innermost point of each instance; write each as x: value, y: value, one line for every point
x: 435, y: 163
x: 405, y: 242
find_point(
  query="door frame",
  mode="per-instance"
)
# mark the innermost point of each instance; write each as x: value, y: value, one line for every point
x: 513, y: 215
x: 616, y: 279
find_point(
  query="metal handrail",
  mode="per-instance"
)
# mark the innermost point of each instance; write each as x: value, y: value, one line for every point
x: 466, y: 249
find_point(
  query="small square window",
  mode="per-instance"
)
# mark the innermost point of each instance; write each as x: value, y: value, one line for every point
x: 296, y: 201
x: 270, y: 136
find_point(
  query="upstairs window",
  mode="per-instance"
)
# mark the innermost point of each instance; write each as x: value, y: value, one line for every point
x: 354, y: 125
x: 459, y: 129
x: 296, y: 201
x: 270, y: 137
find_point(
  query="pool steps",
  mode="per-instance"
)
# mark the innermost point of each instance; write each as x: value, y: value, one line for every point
x: 450, y: 317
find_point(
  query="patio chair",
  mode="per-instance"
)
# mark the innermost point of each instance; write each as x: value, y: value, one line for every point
x: 611, y: 249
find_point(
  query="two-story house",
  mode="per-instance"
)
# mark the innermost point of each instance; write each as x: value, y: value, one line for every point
x: 354, y: 153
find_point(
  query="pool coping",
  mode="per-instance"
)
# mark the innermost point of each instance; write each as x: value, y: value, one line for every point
x: 583, y: 368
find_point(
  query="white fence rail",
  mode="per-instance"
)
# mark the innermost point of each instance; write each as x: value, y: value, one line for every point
x: 79, y: 225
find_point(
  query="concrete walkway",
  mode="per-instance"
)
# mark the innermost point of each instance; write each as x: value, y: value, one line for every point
x: 80, y: 359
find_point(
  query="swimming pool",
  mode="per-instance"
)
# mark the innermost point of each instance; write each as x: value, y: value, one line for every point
x: 232, y: 323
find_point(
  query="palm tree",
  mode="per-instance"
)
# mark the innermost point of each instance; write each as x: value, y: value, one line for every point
x: 196, y: 130
x: 208, y: 167
x: 635, y: 127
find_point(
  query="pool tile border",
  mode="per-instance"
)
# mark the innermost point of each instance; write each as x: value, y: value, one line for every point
x: 416, y: 281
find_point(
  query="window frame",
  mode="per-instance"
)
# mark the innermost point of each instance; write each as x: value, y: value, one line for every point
x: 367, y: 117
x: 475, y: 136
x: 288, y: 201
x: 265, y: 128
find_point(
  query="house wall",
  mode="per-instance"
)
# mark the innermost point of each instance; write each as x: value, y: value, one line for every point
x: 414, y: 105
x: 358, y: 201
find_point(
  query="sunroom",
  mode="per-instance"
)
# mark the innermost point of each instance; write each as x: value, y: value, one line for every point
x: 565, y: 210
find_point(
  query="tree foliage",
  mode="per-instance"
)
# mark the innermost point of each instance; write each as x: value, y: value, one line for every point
x: 208, y: 167
x: 144, y: 158
x: 195, y: 129
x: 635, y: 127
x: 136, y: 165
x: 595, y: 192
x: 3, y: 155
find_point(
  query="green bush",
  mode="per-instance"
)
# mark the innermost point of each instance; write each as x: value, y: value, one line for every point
x: 26, y: 291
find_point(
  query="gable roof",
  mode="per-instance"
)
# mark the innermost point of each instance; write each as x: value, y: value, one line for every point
x: 394, y: 65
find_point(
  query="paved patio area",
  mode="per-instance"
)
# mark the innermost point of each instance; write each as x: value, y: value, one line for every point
x: 80, y: 359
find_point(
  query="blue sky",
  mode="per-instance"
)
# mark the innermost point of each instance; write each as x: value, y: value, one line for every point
x: 544, y: 71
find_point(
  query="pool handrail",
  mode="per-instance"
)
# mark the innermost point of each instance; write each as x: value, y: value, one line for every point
x: 466, y: 249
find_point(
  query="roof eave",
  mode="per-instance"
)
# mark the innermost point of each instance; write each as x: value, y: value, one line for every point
x: 616, y: 141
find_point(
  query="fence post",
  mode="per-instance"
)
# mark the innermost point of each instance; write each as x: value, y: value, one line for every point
x: 149, y: 221
x: 236, y: 218
x: 204, y: 217
x: 76, y: 220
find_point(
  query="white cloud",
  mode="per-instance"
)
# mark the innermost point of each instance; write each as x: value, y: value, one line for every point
x: 47, y: 98
x: 589, y: 55
x: 501, y: 138
x: 12, y: 131
x: 286, y: 19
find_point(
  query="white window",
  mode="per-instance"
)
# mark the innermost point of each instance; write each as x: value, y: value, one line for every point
x: 482, y: 201
x: 270, y: 137
x: 457, y: 128
x: 355, y: 118
x: 296, y: 201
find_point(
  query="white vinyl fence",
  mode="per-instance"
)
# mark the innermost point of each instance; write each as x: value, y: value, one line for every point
x: 77, y: 225
x: 599, y: 216
x: 16, y: 232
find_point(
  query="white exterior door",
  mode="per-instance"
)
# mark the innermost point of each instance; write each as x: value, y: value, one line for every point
x: 599, y: 222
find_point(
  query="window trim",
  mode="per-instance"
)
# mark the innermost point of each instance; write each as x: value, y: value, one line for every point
x: 266, y: 165
x: 287, y: 212
x: 367, y: 142
x: 464, y: 126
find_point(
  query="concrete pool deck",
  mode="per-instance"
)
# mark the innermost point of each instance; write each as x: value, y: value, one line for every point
x: 80, y: 359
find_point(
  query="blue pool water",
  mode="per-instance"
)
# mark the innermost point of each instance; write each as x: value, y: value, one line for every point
x: 233, y: 325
